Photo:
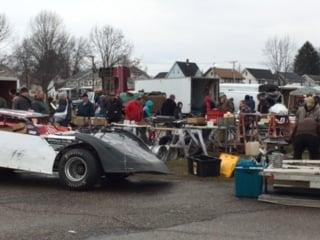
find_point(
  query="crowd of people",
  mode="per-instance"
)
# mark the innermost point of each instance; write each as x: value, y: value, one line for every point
x: 60, y: 109
x: 111, y: 107
x: 136, y: 110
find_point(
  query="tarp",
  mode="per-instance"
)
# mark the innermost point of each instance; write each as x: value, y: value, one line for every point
x: 305, y: 91
x: 268, y: 88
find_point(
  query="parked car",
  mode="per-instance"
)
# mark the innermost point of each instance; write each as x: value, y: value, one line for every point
x: 28, y: 143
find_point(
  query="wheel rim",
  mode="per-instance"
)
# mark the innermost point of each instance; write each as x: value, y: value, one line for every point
x: 76, y: 169
x: 163, y: 154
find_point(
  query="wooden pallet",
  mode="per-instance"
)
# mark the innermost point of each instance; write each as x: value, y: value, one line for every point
x: 295, y: 174
x: 301, y: 177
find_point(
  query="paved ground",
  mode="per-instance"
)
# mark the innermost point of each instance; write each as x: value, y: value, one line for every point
x: 144, y: 207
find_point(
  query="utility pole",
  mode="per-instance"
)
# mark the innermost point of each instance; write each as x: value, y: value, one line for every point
x: 233, y: 69
x: 213, y: 69
x: 92, y: 62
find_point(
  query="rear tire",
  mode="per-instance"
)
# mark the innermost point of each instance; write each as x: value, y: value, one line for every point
x: 79, y: 169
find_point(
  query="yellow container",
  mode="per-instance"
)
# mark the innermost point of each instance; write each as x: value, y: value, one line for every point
x: 228, y: 164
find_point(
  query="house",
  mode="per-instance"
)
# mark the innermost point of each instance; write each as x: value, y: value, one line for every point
x: 7, y: 74
x: 288, y: 78
x: 311, y: 79
x: 225, y: 75
x: 84, y: 79
x: 184, y: 69
x: 136, y: 74
x: 258, y: 76
x: 161, y: 75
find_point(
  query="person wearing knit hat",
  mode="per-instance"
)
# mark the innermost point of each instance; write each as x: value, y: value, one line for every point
x: 306, y: 134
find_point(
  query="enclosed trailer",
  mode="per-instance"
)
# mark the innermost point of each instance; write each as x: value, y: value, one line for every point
x: 7, y: 83
x: 238, y: 91
x: 190, y: 91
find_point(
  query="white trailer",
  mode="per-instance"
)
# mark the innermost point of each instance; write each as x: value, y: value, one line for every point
x: 238, y: 91
x: 190, y: 91
x: 6, y: 84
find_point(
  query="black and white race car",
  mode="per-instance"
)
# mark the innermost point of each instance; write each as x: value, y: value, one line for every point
x: 28, y: 143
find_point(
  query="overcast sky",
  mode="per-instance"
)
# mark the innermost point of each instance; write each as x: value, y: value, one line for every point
x: 163, y: 31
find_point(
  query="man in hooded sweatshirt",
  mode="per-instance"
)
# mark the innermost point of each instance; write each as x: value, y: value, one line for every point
x: 307, y: 130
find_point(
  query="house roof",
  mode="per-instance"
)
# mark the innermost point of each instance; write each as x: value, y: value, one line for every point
x: 314, y: 77
x: 7, y: 73
x: 290, y: 77
x: 137, y: 72
x: 189, y: 69
x: 260, y: 73
x: 226, y: 73
x: 161, y: 75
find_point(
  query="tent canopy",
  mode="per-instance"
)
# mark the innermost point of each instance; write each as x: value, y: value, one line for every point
x: 305, y: 91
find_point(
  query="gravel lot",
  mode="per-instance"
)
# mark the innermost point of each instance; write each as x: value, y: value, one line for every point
x: 145, y: 207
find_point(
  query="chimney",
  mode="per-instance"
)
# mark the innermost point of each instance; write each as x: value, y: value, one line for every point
x: 187, y: 61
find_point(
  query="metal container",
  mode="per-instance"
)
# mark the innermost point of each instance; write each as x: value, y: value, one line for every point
x: 276, y: 159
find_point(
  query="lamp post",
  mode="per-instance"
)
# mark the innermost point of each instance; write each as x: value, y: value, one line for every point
x: 92, y: 62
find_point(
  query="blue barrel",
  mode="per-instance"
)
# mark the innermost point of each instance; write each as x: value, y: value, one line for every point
x: 248, y: 181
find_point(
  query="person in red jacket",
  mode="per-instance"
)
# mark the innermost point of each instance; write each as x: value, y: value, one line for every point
x: 208, y: 104
x: 134, y: 111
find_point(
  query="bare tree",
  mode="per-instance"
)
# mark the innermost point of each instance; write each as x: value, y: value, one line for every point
x: 110, y: 45
x: 23, y: 61
x: 4, y: 28
x: 280, y: 54
x: 80, y: 50
x: 46, y: 52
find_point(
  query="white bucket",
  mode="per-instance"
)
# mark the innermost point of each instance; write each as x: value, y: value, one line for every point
x: 252, y: 148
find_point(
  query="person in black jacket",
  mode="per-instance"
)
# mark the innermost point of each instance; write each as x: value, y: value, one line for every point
x: 86, y: 108
x: 169, y: 106
x: 102, y: 103
x: 22, y: 102
x: 114, y: 110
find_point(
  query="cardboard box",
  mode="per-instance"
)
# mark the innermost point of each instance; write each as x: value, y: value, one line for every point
x: 196, y: 121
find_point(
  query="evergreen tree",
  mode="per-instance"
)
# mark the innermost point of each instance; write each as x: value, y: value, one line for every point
x: 307, y: 60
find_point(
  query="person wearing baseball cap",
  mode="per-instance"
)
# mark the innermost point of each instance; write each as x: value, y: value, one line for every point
x: 86, y: 108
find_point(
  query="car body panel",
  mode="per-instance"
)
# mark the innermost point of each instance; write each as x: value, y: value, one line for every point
x: 122, y: 152
x: 26, y: 152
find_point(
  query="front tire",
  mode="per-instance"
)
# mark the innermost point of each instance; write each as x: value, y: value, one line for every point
x: 79, y: 169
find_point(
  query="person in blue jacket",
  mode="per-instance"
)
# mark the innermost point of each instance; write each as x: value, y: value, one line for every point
x: 86, y: 108
x: 148, y: 109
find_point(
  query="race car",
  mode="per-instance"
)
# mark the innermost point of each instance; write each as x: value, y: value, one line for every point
x: 29, y: 143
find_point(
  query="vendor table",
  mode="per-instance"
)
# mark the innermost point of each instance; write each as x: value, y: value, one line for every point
x: 180, y: 135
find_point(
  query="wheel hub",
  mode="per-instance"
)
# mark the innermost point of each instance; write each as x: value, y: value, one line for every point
x: 75, y: 169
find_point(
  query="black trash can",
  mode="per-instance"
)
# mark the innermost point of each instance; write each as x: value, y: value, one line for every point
x: 204, y: 166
